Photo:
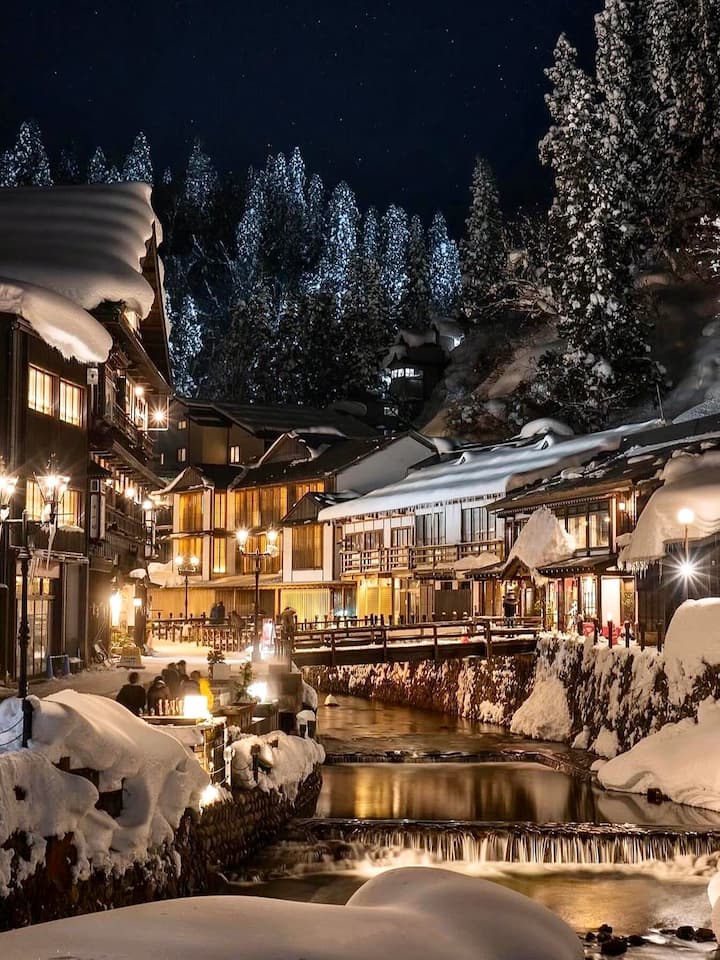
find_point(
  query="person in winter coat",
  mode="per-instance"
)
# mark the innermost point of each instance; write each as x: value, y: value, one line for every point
x: 171, y: 676
x: 288, y: 627
x: 191, y: 684
x: 157, y: 691
x: 132, y: 694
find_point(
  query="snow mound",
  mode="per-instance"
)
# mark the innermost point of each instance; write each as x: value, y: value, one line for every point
x: 545, y: 714
x: 690, y: 481
x: 542, y: 540
x: 309, y: 696
x: 682, y: 760
x: 282, y: 767
x: 545, y: 425
x: 714, y: 898
x: 692, y: 643
x: 414, y: 912
x: 158, y: 777
x: 606, y: 743
x: 66, y: 250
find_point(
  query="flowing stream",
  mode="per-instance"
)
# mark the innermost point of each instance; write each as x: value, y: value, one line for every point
x: 424, y: 789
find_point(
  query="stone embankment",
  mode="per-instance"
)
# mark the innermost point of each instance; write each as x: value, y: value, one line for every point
x: 222, y: 834
x: 628, y: 693
x: 475, y: 689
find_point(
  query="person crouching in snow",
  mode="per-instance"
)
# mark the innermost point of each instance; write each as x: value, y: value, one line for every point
x: 157, y: 696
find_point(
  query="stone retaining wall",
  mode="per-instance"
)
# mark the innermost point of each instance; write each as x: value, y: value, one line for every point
x: 471, y: 688
x: 625, y: 691
x: 222, y: 834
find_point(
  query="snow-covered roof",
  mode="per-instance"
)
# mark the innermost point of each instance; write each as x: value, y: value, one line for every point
x: 66, y: 250
x: 543, y: 540
x: 483, y: 473
x: 690, y: 482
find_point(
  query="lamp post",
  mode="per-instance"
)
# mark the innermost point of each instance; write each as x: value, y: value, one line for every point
x: 686, y: 516
x: 257, y: 556
x: 52, y: 486
x: 187, y: 567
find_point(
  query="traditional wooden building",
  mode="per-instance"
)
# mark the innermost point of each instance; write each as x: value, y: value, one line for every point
x: 299, y: 475
x: 600, y: 507
x: 84, y: 379
x: 212, y: 433
x: 432, y: 545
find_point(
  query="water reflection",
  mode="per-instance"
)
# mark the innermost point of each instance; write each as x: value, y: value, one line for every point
x: 629, y: 900
x: 487, y: 792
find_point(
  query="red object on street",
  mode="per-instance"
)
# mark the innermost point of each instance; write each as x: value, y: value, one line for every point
x: 465, y: 638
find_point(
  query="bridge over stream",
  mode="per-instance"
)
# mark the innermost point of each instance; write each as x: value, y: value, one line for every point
x: 331, y: 646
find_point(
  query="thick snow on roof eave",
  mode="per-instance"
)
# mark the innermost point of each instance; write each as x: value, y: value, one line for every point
x: 85, y: 243
x: 58, y: 321
x: 487, y: 473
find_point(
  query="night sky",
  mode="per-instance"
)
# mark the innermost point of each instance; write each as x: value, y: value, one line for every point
x: 396, y: 97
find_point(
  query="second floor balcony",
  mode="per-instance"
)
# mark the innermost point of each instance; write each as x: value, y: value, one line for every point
x: 111, y: 415
x: 409, y: 558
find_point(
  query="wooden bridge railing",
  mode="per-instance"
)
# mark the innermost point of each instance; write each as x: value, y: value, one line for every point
x: 375, y: 643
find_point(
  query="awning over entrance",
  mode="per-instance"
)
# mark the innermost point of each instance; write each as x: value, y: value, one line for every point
x: 576, y: 566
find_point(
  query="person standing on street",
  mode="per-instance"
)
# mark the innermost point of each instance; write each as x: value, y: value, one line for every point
x: 132, y: 694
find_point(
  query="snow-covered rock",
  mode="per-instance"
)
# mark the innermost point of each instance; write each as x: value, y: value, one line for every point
x: 309, y: 696
x: 545, y: 714
x: 412, y: 913
x: 283, y: 767
x: 606, y: 743
x: 682, y: 760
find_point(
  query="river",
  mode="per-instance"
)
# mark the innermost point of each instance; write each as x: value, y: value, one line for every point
x: 474, y: 798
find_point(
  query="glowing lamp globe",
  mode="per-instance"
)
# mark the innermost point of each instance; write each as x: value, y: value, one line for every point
x: 685, y: 516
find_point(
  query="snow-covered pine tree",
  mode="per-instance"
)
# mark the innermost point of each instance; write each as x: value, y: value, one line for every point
x: 482, y: 249
x: 295, y: 233
x: 393, y: 261
x: 26, y: 163
x: 248, y: 239
x: 138, y: 164
x: 415, y: 307
x: 341, y: 241
x: 201, y: 180
x: 606, y: 363
x: 186, y: 343
x: 315, y: 219
x: 98, y: 167
x: 444, y: 262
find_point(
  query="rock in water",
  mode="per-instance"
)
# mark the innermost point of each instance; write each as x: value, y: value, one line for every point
x: 330, y: 701
x: 614, y: 947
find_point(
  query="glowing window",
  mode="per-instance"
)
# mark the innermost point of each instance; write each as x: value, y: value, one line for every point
x: 71, y: 403
x: 40, y: 391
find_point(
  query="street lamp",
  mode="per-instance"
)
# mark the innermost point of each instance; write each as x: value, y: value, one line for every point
x: 52, y: 486
x: 257, y: 556
x: 187, y: 567
x: 686, y: 516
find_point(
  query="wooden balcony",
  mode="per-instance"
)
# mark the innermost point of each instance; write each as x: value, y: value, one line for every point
x: 398, y: 559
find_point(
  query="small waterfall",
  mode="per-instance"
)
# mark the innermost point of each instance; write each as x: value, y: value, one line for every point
x: 509, y: 843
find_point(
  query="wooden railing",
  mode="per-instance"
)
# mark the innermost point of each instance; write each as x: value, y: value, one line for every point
x: 228, y: 635
x: 480, y: 636
x: 411, y: 557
